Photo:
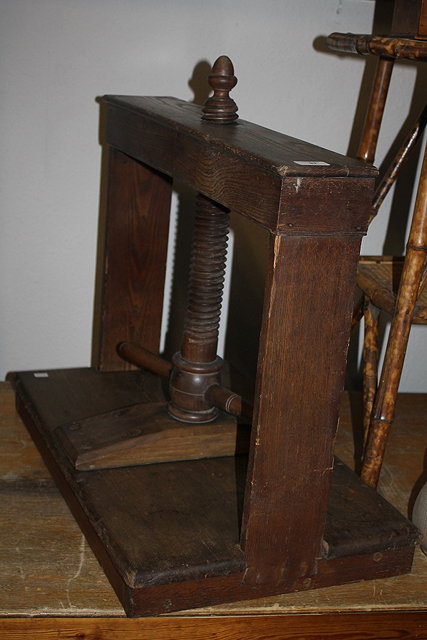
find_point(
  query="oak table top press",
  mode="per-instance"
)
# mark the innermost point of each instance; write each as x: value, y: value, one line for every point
x: 177, y: 520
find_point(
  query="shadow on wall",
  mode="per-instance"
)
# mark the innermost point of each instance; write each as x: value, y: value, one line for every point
x: 198, y: 83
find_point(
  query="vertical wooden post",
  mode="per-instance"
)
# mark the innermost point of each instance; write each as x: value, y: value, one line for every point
x: 304, y: 340
x: 136, y: 236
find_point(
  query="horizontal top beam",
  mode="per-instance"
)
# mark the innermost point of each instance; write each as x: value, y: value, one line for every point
x: 248, y: 168
x: 275, y: 152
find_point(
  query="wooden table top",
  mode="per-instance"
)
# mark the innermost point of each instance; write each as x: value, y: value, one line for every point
x: 50, y: 577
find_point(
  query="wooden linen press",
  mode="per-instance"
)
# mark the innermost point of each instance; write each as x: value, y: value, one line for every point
x: 173, y: 516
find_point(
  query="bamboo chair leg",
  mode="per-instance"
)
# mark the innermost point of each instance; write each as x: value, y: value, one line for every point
x: 370, y: 364
x: 411, y: 280
x: 372, y: 125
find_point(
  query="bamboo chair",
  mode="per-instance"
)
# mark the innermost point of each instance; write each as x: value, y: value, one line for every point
x: 392, y: 285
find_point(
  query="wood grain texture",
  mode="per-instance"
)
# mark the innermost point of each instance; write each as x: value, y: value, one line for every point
x: 134, y: 262
x: 398, y: 625
x: 323, y: 206
x: 241, y: 166
x: 145, y: 434
x: 197, y: 367
x: 49, y: 570
x: 296, y: 413
x: 250, y: 143
x: 167, y: 534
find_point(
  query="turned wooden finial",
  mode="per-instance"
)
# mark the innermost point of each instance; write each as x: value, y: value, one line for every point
x: 220, y: 108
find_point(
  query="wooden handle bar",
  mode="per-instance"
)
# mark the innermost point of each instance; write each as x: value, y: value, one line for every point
x: 228, y: 401
x: 143, y: 358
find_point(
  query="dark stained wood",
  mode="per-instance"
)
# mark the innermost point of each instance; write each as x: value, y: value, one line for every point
x: 241, y: 166
x: 292, y: 435
x: 422, y: 31
x: 216, y: 590
x: 205, y: 289
x: 74, y: 391
x: 305, y: 206
x: 167, y: 535
x: 389, y: 534
x: 173, y: 119
x: 220, y: 108
x: 410, y: 18
x: 137, y: 222
x: 197, y: 367
x: 41, y: 544
x: 219, y: 396
x: 144, y: 359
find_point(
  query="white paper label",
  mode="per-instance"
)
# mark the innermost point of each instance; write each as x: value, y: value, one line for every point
x: 312, y: 163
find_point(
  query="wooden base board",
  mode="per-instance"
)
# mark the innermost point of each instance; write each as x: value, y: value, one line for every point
x: 167, y: 535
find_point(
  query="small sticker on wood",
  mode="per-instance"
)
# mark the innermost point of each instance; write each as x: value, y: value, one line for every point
x: 312, y: 163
